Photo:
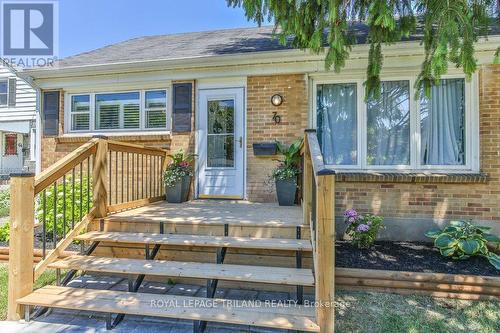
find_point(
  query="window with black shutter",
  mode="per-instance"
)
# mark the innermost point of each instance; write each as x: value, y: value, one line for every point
x: 182, y: 107
x: 50, y: 113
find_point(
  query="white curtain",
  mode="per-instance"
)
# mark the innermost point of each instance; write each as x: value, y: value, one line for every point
x: 336, y: 123
x: 442, y: 124
x: 388, y: 125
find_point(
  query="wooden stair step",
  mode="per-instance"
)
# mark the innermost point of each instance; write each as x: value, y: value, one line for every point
x: 214, y: 213
x: 232, y: 312
x: 198, y: 240
x: 259, y: 274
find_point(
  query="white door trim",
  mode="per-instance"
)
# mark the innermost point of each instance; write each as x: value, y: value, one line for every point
x: 221, y: 86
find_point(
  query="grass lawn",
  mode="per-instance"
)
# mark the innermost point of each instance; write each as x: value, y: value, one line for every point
x: 48, y: 277
x: 376, y: 312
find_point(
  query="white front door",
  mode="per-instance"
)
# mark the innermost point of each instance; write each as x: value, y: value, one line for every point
x: 221, y: 143
x: 12, y: 152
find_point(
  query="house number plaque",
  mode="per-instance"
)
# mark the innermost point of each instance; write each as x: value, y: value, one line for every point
x: 276, y: 118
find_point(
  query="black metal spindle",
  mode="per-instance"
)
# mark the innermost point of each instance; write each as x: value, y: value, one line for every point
x: 64, y: 205
x: 81, y: 192
x: 44, y: 223
x: 54, y: 211
x: 73, y: 198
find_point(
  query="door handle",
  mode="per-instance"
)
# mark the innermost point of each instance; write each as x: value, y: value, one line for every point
x: 240, y: 140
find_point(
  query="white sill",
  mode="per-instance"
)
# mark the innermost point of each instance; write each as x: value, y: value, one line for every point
x: 426, y: 172
x: 111, y: 134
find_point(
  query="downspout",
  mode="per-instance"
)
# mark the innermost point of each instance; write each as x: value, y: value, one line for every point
x: 38, y: 120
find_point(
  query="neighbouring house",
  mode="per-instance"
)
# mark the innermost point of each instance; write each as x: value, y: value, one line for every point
x: 416, y: 161
x: 17, y: 123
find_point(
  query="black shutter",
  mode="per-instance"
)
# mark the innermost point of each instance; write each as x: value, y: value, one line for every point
x: 182, y: 107
x: 12, y: 92
x: 50, y: 113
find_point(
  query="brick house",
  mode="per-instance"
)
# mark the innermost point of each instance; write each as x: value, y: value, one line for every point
x: 417, y: 162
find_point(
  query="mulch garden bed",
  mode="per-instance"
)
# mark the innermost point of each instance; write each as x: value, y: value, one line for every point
x: 408, y: 256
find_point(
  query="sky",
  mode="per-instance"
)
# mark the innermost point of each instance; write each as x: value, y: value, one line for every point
x: 85, y: 25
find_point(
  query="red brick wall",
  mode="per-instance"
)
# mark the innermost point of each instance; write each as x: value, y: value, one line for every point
x: 435, y: 201
x: 261, y: 127
x: 393, y: 200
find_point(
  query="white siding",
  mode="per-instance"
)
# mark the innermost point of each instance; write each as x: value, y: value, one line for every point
x: 25, y: 108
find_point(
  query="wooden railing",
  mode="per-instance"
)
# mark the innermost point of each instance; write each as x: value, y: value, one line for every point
x: 318, y: 204
x: 135, y: 175
x: 100, y: 177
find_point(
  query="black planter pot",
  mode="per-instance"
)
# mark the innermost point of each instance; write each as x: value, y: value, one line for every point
x: 286, y: 190
x: 180, y: 191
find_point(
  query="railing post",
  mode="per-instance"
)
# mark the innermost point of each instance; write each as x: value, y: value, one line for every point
x: 22, y: 221
x: 325, y: 251
x: 100, y: 178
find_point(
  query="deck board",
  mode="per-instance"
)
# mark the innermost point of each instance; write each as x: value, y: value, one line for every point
x: 214, y: 212
x: 197, y: 270
x: 198, y: 240
x: 182, y: 307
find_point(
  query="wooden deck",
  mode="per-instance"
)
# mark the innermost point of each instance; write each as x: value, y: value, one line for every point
x: 214, y: 212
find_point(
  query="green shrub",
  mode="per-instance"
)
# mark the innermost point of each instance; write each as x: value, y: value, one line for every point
x: 462, y: 240
x: 69, y: 208
x: 5, y: 232
x: 4, y: 202
x: 363, y: 229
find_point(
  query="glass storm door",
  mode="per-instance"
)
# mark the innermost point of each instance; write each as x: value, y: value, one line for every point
x: 221, y: 144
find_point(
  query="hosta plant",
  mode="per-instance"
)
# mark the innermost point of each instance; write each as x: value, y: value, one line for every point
x: 462, y: 240
x: 363, y: 229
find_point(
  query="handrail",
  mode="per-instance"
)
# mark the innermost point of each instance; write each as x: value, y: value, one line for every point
x: 133, y: 148
x: 65, y: 164
x: 318, y: 164
x: 72, y: 193
x: 319, y: 212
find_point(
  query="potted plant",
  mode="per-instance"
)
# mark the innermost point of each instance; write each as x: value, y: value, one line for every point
x: 285, y: 174
x: 178, y: 177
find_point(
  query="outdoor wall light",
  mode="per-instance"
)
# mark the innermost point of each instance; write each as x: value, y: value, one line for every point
x: 277, y: 100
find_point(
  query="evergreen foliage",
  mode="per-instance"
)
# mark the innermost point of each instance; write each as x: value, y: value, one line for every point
x: 450, y: 30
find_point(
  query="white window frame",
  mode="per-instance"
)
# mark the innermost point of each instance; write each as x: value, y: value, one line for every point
x: 146, y: 109
x: 142, y: 112
x: 472, y: 164
x: 71, y: 113
x: 6, y: 93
